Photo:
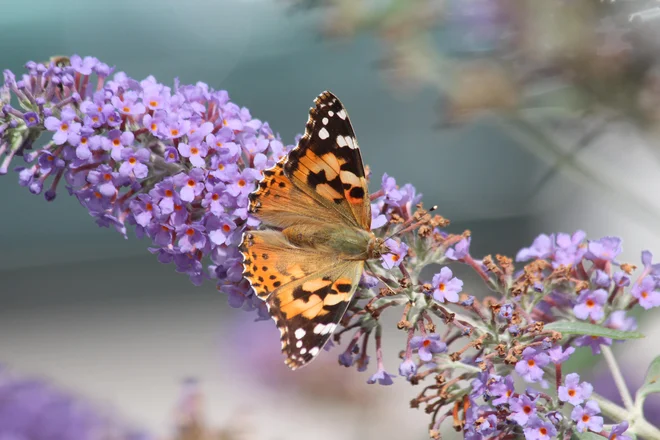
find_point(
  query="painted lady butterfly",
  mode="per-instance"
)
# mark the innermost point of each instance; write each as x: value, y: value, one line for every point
x: 306, y: 261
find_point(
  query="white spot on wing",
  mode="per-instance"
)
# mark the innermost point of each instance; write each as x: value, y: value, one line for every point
x: 323, y: 133
x: 342, y: 114
x: 299, y: 344
x: 341, y: 141
x: 331, y: 113
x: 325, y: 121
x: 303, y: 350
x: 314, y: 351
x: 352, y: 145
x: 299, y: 333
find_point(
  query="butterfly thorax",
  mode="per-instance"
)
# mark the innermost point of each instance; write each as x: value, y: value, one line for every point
x: 348, y: 243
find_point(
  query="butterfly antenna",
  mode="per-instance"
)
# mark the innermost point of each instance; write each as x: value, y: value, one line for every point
x: 405, y: 226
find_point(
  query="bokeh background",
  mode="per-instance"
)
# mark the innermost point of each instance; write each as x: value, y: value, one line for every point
x: 515, y: 117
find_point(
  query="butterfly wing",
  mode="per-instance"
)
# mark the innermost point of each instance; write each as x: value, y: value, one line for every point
x: 307, y: 292
x: 327, y: 164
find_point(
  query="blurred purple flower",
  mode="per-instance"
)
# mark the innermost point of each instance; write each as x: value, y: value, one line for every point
x: 587, y: 418
x: 446, y: 286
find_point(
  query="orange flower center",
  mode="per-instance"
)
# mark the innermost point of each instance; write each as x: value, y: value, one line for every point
x: 174, y: 132
x: 64, y: 126
x: 543, y: 430
x: 644, y: 294
x: 191, y: 182
x: 126, y: 109
x: 154, y: 126
x: 194, y: 150
x: 168, y: 193
x: 571, y: 393
x: 132, y: 161
x: 527, y: 409
x: 531, y: 362
x: 242, y: 183
x: 590, y: 303
x: 107, y: 177
x: 585, y: 418
x: 226, y: 228
x: 116, y: 142
x: 153, y: 103
x: 190, y: 232
x: 395, y: 257
x: 148, y: 207
x: 426, y: 343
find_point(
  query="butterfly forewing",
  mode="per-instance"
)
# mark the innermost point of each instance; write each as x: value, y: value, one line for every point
x: 327, y: 163
x: 315, y: 207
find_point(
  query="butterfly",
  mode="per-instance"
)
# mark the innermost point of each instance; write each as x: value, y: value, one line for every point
x: 306, y: 260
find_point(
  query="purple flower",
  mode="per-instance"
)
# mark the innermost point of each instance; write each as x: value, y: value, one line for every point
x: 621, y: 279
x: 569, y: 250
x: 446, y: 286
x: 194, y: 153
x: 171, y: 155
x: 573, y: 391
x: 398, y: 252
x: 601, y: 279
x: 542, y: 247
x: 503, y: 390
x: 220, y: 229
x: 49, y: 162
x: 65, y: 128
x: 506, y: 311
x: 590, y: 305
x: 116, y: 142
x: 593, y: 341
x: 607, y: 248
x: 243, y: 182
x: 165, y: 196
x: 522, y: 409
x: 106, y: 180
x: 407, y: 368
x: 647, y: 260
x: 644, y: 291
x: 382, y: 377
x: 618, y: 430
x: 191, y: 184
x: 83, y: 65
x: 427, y: 346
x: 619, y: 321
x: 390, y: 190
x: 143, y: 210
x: 460, y: 249
x: 586, y: 417
x: 530, y: 367
x: 558, y: 355
x: 537, y: 429
x: 31, y: 119
x: 128, y: 104
x: 191, y: 237
x: 134, y: 163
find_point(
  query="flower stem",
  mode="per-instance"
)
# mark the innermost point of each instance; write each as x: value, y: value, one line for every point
x: 618, y: 377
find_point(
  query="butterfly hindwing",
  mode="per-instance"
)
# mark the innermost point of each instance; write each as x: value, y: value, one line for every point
x: 327, y: 164
x: 308, y: 310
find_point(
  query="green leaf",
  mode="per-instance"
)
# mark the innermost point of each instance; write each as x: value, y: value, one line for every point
x: 587, y: 436
x: 585, y: 328
x: 651, y: 383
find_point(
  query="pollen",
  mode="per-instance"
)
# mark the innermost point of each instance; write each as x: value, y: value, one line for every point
x: 194, y: 150
x: 153, y: 103
x: 644, y: 294
x: 132, y: 161
x: 116, y: 142
x: 442, y: 286
x: 242, y: 183
x: 531, y: 362
x: 154, y: 126
x: 543, y: 430
x: 107, y: 177
x: 50, y: 158
x: 190, y: 232
x: 126, y: 109
x: 395, y: 257
x: 168, y: 193
x: 149, y: 207
x: 64, y: 126
x: 426, y: 342
x: 527, y: 409
x: 215, y: 197
x: 174, y: 132
x: 221, y: 166
x: 590, y: 303
x: 571, y: 392
x: 191, y: 182
x: 226, y: 228
x: 585, y: 418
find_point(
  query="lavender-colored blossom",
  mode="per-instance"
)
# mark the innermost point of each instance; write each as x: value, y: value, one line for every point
x: 618, y: 320
x: 194, y: 153
x: 133, y: 164
x: 645, y: 292
x: 65, y: 127
x: 522, y: 409
x: 587, y: 418
x: 191, y: 184
x: 601, y: 279
x: 243, y: 182
x: 391, y: 190
x: 590, y: 305
x: 506, y: 311
x: 558, y: 355
x: 427, y: 346
x: 398, y: 251
x: 382, y: 377
x: 105, y: 179
x: 191, y: 237
x: 407, y: 368
x: 569, y: 249
x: 649, y: 267
x: 542, y: 247
x: 618, y: 431
x: 593, y: 341
x: 460, y: 250
x: 573, y: 391
x: 446, y: 286
x: 116, y: 142
x: 621, y: 279
x: 503, y: 390
x: 607, y: 248
x: 530, y: 367
x: 537, y: 429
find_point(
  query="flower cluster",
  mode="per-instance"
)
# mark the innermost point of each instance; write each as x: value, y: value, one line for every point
x: 176, y: 163
x: 179, y: 165
x: 31, y: 408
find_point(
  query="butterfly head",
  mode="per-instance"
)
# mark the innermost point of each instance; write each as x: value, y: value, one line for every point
x: 376, y: 248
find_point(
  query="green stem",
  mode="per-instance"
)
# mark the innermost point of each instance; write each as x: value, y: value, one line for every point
x: 638, y: 424
x: 618, y: 377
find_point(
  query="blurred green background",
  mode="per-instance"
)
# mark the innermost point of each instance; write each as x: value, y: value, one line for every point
x: 500, y: 112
